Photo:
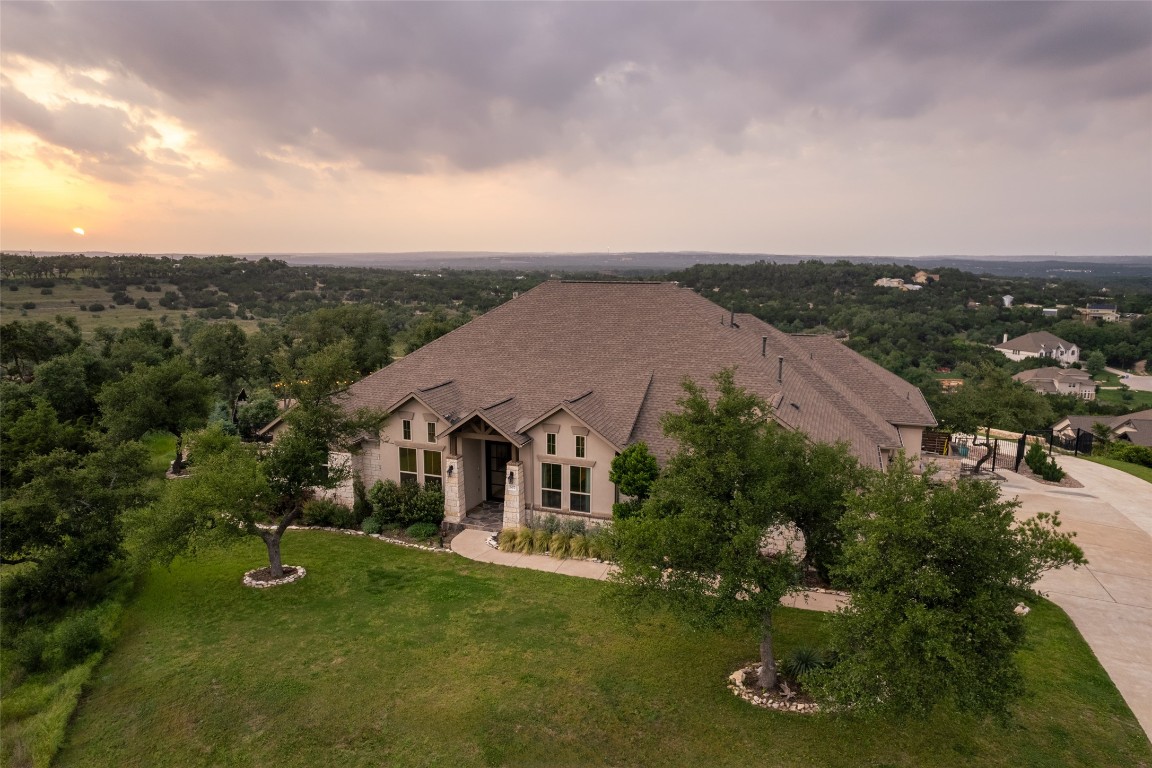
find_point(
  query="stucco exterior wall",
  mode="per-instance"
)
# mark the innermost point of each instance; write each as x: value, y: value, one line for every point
x: 912, y: 439
x: 598, y: 458
x: 392, y: 439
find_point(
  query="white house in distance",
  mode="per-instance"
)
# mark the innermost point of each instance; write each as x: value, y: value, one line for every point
x: 1059, y: 381
x: 1039, y: 344
x: 524, y: 408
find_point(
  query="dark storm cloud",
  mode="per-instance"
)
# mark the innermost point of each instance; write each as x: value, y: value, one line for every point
x: 413, y: 87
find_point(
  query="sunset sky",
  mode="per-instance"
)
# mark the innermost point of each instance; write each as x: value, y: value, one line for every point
x: 813, y: 128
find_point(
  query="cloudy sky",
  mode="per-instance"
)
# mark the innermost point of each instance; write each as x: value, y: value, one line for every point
x: 811, y: 128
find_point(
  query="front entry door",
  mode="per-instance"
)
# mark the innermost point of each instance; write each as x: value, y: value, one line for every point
x: 497, y: 456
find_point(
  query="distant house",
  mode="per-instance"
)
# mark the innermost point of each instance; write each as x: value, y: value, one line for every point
x: 923, y: 278
x: 889, y: 282
x: 1059, y: 381
x: 524, y: 408
x: 1105, y: 312
x: 1050, y: 311
x: 1039, y: 344
x: 1007, y: 299
x: 1135, y: 428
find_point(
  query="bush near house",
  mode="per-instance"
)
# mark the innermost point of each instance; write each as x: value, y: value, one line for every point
x: 405, y: 504
x: 1133, y: 454
x: 1042, y: 464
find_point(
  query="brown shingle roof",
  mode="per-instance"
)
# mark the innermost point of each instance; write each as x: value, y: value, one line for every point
x: 615, y: 354
x: 1035, y: 342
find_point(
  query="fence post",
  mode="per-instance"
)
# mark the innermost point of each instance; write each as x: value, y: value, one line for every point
x: 995, y: 452
x: 1076, y: 446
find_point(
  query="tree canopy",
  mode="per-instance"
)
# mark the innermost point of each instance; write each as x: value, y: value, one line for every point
x: 936, y: 572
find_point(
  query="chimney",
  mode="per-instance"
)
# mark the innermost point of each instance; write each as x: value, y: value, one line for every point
x: 780, y: 369
x: 1005, y: 339
x: 763, y: 346
x: 732, y: 318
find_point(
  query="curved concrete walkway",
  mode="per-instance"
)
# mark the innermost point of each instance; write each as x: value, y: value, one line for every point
x: 1110, y: 600
x: 473, y: 545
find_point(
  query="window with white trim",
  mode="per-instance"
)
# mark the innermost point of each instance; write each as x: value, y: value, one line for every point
x: 581, y: 446
x: 433, y: 474
x: 431, y: 432
x: 580, y: 489
x: 550, y: 491
x: 408, y: 466
x: 406, y: 426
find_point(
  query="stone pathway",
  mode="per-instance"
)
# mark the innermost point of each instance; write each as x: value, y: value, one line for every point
x: 473, y: 545
x: 1110, y: 600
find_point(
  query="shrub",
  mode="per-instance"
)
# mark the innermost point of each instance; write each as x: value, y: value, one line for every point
x: 423, y: 531
x: 361, y: 507
x: 386, y: 498
x: 372, y: 525
x: 82, y: 307
x: 578, y: 547
x: 28, y: 305
x: 30, y: 646
x: 143, y: 303
x: 1133, y: 454
x: 13, y: 287
x: 540, y: 539
x: 524, y: 539
x: 426, y: 505
x: 329, y: 513
x: 73, y: 640
x: 45, y: 291
x: 573, y: 526
x: 95, y: 307
x: 1042, y: 464
x: 507, y: 540
x: 560, y: 545
x: 801, y: 661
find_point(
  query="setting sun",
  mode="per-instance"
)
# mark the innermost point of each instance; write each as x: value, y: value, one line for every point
x: 78, y: 230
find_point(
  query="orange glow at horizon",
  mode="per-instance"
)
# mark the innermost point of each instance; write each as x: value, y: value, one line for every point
x: 78, y: 230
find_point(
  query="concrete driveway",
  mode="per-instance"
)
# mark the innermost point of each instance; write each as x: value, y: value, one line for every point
x: 1139, y: 383
x: 1110, y: 600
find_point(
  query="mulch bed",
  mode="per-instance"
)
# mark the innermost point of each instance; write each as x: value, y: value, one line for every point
x: 1067, y: 482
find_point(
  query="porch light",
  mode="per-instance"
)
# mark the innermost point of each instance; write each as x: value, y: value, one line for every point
x: 511, y: 476
x: 451, y: 467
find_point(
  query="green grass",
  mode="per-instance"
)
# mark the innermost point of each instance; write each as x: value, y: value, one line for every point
x: 389, y: 656
x: 161, y: 448
x: 1138, y: 400
x: 1144, y: 473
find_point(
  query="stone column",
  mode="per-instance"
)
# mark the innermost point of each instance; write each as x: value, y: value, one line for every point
x: 455, y: 506
x: 514, y: 496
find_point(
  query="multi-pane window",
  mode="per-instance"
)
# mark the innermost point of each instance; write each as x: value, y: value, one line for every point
x: 407, y: 427
x: 432, y: 473
x: 550, y: 485
x: 580, y: 446
x: 408, y: 466
x: 431, y: 432
x: 580, y: 489
x: 550, y: 448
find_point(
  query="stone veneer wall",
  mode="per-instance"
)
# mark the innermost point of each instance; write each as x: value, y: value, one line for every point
x: 455, y: 506
x: 514, y: 501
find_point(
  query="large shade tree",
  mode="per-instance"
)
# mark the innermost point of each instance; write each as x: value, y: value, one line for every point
x: 936, y: 572
x: 700, y: 543
x: 235, y: 489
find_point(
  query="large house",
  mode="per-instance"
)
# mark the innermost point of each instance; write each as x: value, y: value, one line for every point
x: 1039, y: 344
x: 1135, y: 428
x: 525, y: 407
x: 1059, y: 381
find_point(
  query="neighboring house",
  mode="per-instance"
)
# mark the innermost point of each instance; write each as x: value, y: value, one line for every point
x: 1105, y: 312
x: 923, y: 278
x: 889, y: 282
x: 1039, y: 344
x: 1136, y: 428
x: 1007, y: 299
x: 526, y: 406
x: 1059, y: 381
x: 1050, y: 311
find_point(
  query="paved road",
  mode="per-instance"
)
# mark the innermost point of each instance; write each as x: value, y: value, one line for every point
x: 1140, y: 383
x: 1110, y: 600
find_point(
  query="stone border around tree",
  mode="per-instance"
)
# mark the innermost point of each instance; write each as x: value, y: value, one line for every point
x: 250, y: 580
x: 766, y: 699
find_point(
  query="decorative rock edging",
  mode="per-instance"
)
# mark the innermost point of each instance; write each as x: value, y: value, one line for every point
x: 351, y: 532
x: 766, y: 699
x: 298, y: 573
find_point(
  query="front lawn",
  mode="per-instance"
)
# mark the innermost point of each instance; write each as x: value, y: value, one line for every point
x: 390, y: 656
